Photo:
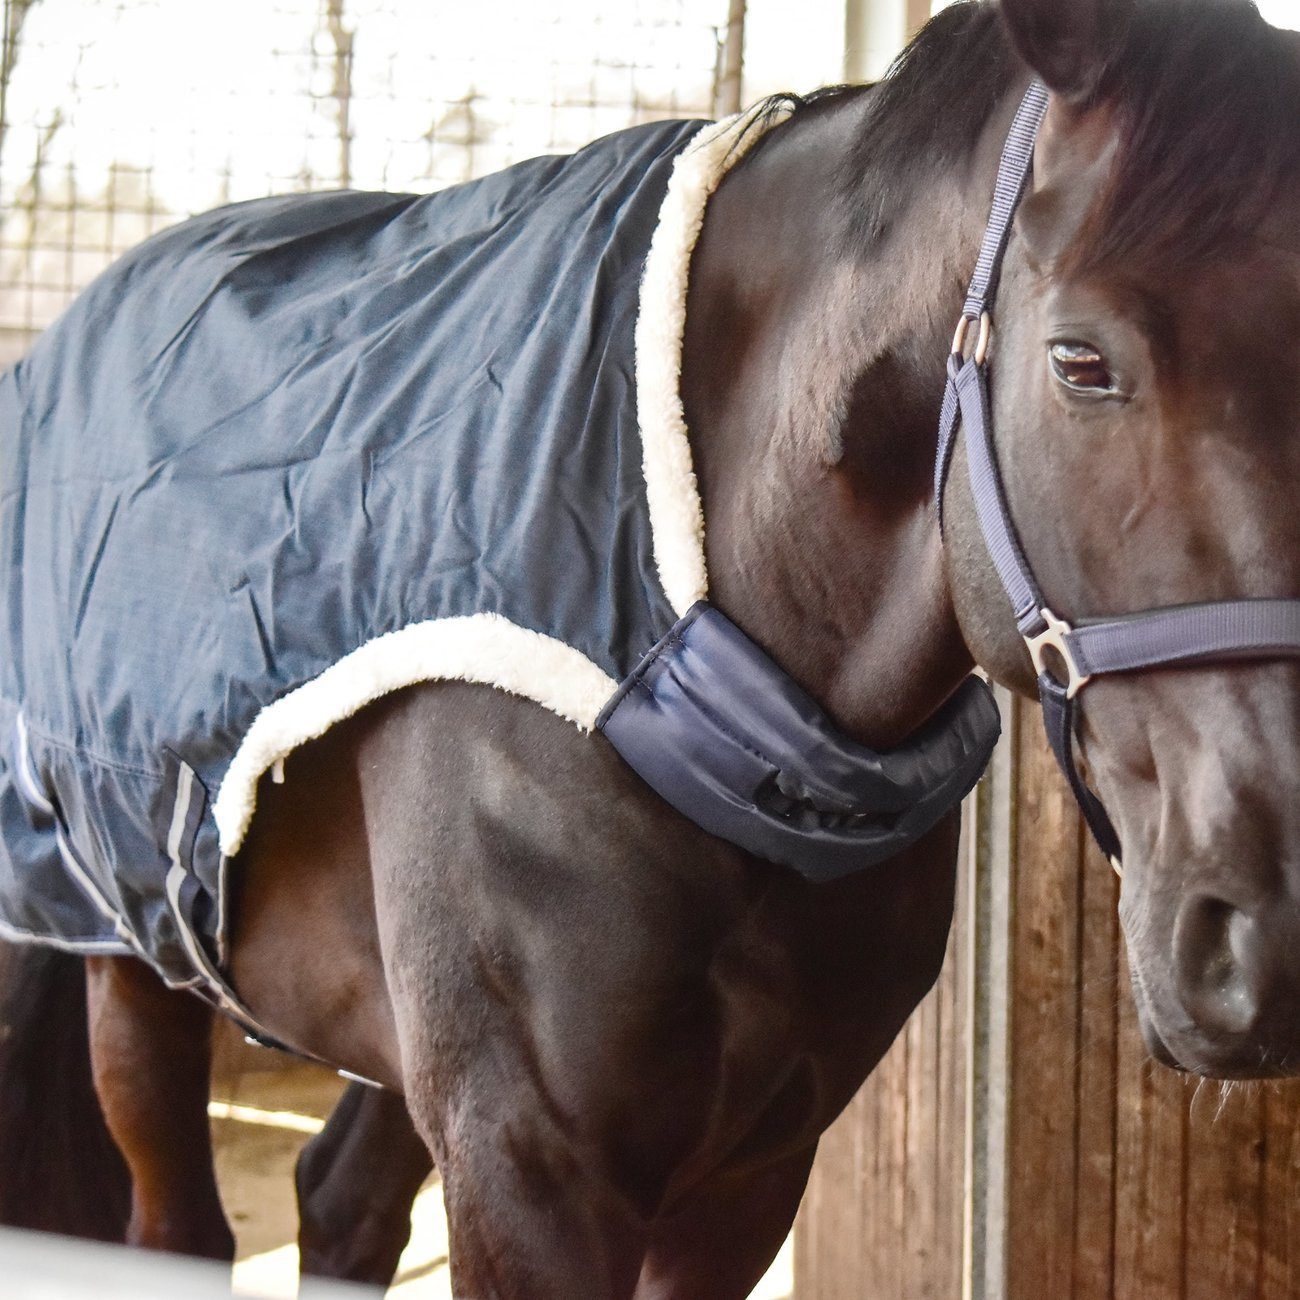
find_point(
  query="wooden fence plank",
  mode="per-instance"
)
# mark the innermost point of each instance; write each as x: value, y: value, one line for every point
x: 1044, y: 1051
x: 1280, y: 1239
x: 830, y: 1212
x: 920, y: 1253
x: 883, y: 1214
x: 1150, y: 1149
x: 1225, y: 1181
x: 1097, y: 1046
x: 950, y: 1104
x: 888, y: 1264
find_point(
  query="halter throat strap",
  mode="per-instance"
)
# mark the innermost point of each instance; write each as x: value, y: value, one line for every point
x: 1067, y: 656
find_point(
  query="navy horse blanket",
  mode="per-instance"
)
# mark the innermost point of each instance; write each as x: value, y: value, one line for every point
x: 295, y: 454
x: 299, y: 452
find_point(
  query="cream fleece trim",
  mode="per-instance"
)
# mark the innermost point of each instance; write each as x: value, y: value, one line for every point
x: 676, y: 517
x: 486, y: 648
x: 482, y: 648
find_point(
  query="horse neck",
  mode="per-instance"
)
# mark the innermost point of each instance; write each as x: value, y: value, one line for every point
x: 812, y: 380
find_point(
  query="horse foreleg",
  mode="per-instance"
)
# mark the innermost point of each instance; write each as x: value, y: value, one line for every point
x: 718, y: 1242
x: 527, y: 1216
x: 151, y: 1050
x: 59, y: 1168
x: 356, y: 1181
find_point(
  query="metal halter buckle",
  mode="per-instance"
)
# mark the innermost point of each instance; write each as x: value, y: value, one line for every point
x: 981, y: 343
x: 1054, y: 637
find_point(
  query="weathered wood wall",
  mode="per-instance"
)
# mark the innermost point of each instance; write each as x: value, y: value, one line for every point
x: 1126, y: 1179
x: 884, y: 1211
x: 1113, y: 1176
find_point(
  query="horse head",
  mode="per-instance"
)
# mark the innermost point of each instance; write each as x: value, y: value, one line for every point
x: 1146, y: 413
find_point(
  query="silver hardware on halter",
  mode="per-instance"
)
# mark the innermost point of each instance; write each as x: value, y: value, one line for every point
x: 1055, y: 637
x: 981, y: 343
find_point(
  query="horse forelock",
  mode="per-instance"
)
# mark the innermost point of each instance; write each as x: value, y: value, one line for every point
x: 1205, y: 98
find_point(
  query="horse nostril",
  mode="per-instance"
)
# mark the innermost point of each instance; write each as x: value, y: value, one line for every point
x: 1216, y: 951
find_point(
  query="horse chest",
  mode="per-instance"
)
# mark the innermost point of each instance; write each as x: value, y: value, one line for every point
x: 535, y: 889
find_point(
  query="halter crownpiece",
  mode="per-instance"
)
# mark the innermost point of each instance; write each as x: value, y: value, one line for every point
x: 1233, y: 630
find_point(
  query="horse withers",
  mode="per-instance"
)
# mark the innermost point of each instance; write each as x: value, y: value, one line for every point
x: 621, y: 1038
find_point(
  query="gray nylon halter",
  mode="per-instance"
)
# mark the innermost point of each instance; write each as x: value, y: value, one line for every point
x: 1231, y: 630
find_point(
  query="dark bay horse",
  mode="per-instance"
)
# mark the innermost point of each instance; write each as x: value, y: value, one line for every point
x: 619, y: 1038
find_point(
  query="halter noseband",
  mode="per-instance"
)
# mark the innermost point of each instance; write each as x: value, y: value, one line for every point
x: 1221, y: 630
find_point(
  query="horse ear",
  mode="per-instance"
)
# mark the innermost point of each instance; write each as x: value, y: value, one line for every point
x: 1069, y: 43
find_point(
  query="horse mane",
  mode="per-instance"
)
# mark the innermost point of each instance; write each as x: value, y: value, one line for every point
x: 927, y: 111
x: 927, y: 114
x: 1205, y: 96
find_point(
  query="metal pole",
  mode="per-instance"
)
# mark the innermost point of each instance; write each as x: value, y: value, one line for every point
x: 342, y: 38
x: 990, y: 825
x: 728, y: 87
x: 875, y: 31
x: 7, y: 48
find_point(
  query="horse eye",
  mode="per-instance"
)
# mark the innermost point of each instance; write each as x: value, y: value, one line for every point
x: 1081, y: 368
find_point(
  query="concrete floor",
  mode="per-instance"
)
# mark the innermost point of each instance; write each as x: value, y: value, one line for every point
x: 261, y: 1118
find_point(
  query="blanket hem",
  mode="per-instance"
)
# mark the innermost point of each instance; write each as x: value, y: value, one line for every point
x: 485, y: 649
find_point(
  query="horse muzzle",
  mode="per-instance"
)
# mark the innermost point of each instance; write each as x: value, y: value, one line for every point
x: 1231, y: 1005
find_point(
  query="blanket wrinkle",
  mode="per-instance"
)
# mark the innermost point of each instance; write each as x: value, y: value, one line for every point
x: 297, y: 453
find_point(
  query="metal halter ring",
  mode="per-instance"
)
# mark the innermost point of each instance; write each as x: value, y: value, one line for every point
x: 981, y: 343
x: 1054, y: 637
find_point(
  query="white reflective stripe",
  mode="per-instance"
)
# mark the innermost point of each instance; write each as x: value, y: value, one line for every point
x: 359, y: 1078
x: 222, y: 863
x: 198, y: 958
x: 26, y: 777
x: 176, y: 873
x: 175, y: 879
x: 85, y: 881
x: 180, y: 813
x: 82, y: 947
x: 90, y: 888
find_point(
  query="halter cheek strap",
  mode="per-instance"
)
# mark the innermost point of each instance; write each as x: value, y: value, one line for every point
x: 1233, y: 630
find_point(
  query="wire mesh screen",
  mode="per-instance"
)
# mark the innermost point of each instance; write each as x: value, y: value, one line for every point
x: 120, y: 117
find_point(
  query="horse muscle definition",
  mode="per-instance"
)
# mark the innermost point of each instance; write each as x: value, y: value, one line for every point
x: 619, y: 1038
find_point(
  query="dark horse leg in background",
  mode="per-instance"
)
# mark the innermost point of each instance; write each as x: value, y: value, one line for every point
x: 356, y: 1180
x: 151, y: 1048
x: 60, y: 1170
